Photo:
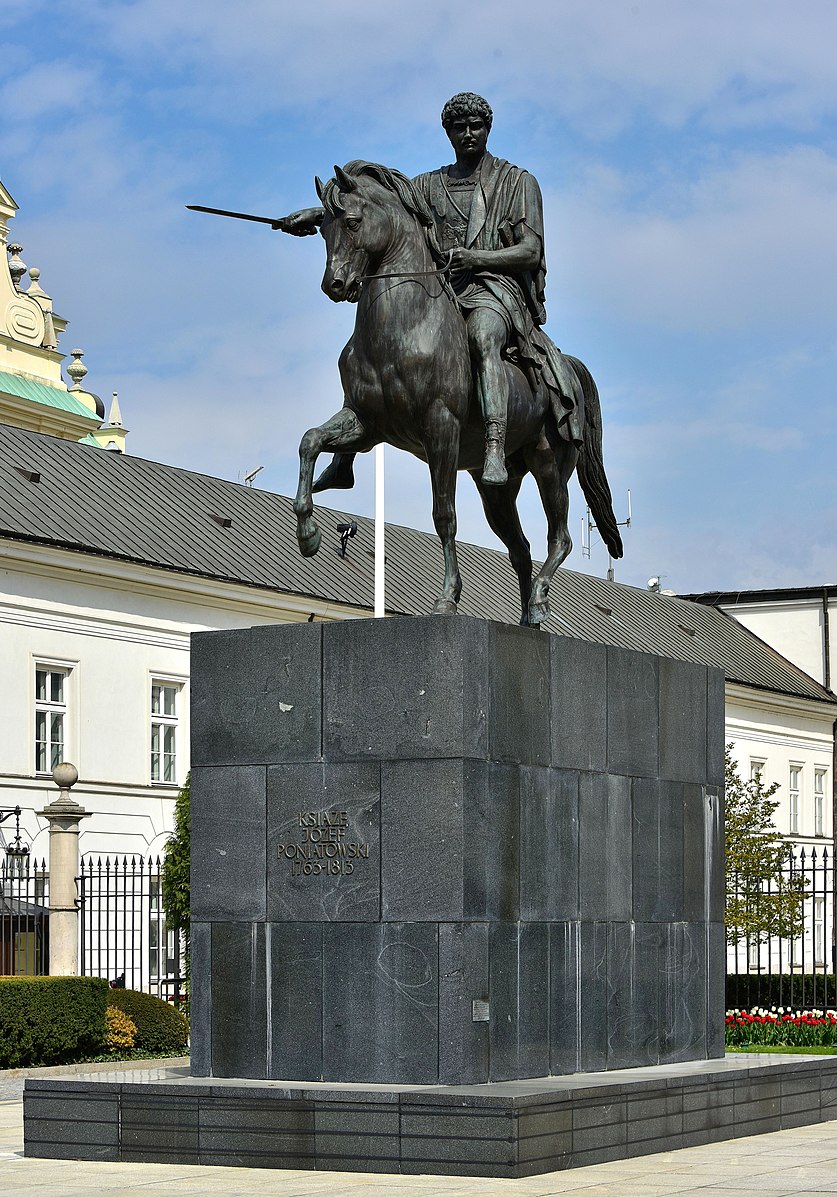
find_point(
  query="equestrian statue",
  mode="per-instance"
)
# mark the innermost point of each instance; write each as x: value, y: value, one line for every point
x: 448, y: 359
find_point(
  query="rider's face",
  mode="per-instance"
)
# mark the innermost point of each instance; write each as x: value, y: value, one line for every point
x: 468, y: 136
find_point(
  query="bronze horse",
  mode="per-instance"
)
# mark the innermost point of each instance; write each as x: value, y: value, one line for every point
x: 407, y: 381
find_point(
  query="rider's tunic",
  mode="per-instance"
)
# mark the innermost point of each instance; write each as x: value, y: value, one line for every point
x: 487, y: 212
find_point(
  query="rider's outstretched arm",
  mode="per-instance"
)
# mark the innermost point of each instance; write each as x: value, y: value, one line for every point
x: 301, y: 224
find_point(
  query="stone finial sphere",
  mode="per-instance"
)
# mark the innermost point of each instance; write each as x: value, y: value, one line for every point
x: 65, y: 775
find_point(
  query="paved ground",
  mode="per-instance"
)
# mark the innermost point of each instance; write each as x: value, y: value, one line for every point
x: 802, y: 1162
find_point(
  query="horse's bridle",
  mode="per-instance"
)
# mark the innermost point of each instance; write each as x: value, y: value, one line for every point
x: 365, y: 278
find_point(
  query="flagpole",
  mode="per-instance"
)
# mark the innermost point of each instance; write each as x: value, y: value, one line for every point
x: 380, y: 526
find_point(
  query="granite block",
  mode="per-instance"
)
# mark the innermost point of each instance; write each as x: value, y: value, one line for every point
x: 633, y: 1006
x: 683, y: 1020
x: 266, y: 1116
x: 323, y: 841
x: 430, y: 701
x: 422, y: 840
x: 605, y: 838
x: 796, y: 1103
x: 714, y: 799
x: 518, y: 991
x: 55, y: 1149
x: 697, y: 827
x: 156, y: 1124
x: 200, y: 1005
x: 548, y: 844
x: 294, y: 963
x: 417, y: 1122
x: 519, y: 721
x: 71, y: 1132
x: 491, y: 865
x: 255, y: 695
x: 633, y: 694
x: 100, y: 1110
x: 232, y: 1159
x: 715, y: 724
x: 228, y: 844
x: 239, y: 1012
x: 657, y: 850
x: 716, y: 990
x: 682, y: 720
x: 463, y: 980
x: 380, y: 1002
x: 564, y: 997
x: 579, y: 704
x: 593, y: 997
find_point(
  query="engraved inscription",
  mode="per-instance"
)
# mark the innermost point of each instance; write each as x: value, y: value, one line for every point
x: 323, y: 846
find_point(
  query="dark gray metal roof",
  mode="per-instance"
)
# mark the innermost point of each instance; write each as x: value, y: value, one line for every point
x: 94, y: 501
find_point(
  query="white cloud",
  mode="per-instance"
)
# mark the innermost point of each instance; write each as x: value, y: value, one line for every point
x: 747, y: 243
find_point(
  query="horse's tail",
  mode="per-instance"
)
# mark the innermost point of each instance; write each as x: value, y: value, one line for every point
x: 591, y: 472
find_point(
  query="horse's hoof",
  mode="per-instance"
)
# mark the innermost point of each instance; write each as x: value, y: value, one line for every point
x: 538, y: 612
x: 444, y: 607
x: 308, y: 545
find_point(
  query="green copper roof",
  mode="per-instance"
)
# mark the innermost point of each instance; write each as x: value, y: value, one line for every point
x: 42, y: 392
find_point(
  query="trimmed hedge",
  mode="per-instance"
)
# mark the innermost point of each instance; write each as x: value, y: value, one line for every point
x: 160, y: 1028
x: 50, y: 1020
x: 796, y: 991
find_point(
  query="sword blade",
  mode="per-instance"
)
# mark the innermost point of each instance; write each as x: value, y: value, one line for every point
x: 235, y: 215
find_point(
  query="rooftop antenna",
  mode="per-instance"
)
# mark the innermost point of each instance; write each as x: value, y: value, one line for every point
x: 248, y: 478
x: 587, y: 526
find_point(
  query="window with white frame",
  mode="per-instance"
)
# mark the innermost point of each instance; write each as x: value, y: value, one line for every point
x: 794, y: 791
x: 165, y: 701
x: 51, y: 687
x: 757, y: 769
x: 819, y: 801
x: 819, y: 930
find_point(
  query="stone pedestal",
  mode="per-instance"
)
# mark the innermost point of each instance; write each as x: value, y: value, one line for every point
x: 63, y: 816
x: 446, y: 851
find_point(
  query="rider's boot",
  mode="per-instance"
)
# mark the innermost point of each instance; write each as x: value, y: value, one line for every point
x: 494, y: 473
x: 338, y: 474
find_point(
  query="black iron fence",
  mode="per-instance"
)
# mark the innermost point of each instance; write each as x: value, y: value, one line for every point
x: 795, y: 971
x: 123, y: 933
x: 24, y: 919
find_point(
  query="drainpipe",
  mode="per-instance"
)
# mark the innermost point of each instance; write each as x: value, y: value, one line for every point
x: 826, y: 645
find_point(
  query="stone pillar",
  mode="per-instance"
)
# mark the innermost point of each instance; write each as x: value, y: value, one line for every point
x: 64, y: 816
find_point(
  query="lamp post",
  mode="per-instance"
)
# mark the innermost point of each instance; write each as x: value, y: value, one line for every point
x: 17, y: 853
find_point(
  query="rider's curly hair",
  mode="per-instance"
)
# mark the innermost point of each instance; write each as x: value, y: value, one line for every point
x: 466, y: 103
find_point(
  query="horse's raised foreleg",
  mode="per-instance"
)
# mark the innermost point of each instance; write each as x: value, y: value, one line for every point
x: 342, y: 431
x: 552, y: 466
x: 500, y: 506
x: 442, y: 449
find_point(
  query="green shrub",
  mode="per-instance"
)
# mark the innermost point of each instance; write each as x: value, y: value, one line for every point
x: 50, y: 1020
x: 801, y: 991
x: 161, y: 1030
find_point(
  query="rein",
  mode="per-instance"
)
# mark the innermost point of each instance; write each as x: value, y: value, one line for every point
x: 365, y: 278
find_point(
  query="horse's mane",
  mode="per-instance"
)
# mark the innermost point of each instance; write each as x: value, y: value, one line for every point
x: 405, y: 189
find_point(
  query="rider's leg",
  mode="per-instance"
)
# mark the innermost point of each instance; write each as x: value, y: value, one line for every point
x: 487, y: 337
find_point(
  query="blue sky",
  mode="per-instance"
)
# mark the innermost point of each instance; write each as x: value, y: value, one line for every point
x: 688, y: 158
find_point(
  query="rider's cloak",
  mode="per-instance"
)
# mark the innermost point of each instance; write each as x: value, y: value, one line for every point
x: 506, y: 199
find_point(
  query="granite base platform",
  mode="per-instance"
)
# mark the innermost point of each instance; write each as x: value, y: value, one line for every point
x: 448, y: 851
x: 510, y: 1129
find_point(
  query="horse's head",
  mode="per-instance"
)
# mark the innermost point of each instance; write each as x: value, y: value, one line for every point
x: 356, y: 232
x: 365, y: 205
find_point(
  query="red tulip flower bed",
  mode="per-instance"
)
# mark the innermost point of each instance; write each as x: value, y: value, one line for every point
x: 781, y: 1028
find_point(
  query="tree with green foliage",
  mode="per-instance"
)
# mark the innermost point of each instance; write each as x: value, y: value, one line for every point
x: 176, y: 872
x: 763, y: 897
